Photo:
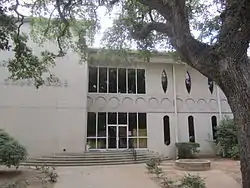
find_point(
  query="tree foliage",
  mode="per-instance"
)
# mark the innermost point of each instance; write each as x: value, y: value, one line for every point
x: 226, y: 139
x: 211, y: 36
x: 11, y: 152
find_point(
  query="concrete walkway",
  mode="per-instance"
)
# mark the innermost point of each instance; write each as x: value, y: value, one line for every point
x: 120, y: 176
x: 132, y: 176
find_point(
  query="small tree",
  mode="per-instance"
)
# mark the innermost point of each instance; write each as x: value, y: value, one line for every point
x: 187, y: 150
x: 227, y: 142
x: 11, y: 152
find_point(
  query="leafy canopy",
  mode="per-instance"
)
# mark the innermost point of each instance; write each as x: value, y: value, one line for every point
x: 74, y: 24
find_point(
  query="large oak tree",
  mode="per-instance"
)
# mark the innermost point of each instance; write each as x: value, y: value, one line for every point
x: 211, y: 36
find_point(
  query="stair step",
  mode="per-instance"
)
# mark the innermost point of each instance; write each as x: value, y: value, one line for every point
x: 87, y: 159
x: 97, y: 157
x: 62, y: 162
x: 91, y: 158
x: 84, y: 164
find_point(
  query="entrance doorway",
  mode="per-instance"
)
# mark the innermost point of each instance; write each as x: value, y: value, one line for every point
x: 117, y: 137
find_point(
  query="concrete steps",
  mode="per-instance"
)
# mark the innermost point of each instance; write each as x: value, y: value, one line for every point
x: 91, y: 158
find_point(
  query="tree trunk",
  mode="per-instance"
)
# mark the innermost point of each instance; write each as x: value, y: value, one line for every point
x: 235, y: 83
x: 242, y: 121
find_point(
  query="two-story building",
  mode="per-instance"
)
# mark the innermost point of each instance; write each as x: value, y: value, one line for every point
x: 110, y: 105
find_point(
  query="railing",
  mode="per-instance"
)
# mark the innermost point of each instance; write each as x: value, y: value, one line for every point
x: 131, y: 146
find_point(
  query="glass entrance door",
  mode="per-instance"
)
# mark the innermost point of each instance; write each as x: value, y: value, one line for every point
x: 117, y: 137
x: 122, y: 137
x: 112, y: 137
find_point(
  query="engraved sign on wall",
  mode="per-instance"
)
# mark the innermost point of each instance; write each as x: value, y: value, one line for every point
x: 30, y: 82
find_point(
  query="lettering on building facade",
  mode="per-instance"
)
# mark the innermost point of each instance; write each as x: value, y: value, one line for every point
x: 30, y: 82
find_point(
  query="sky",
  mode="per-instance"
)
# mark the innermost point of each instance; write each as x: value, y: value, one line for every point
x: 106, y: 21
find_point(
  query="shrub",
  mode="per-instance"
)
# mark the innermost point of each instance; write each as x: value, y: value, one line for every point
x: 192, y: 181
x: 187, y: 149
x: 152, y: 164
x: 50, y: 174
x: 11, y: 152
x: 226, y: 142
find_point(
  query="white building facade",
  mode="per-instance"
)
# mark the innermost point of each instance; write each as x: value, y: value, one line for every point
x: 110, y: 106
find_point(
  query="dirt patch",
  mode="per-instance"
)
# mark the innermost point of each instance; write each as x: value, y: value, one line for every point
x: 230, y: 167
x: 23, y: 176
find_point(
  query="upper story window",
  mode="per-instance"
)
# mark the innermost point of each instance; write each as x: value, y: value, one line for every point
x: 116, y: 80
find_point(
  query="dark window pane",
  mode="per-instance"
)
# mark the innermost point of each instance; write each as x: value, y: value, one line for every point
x: 92, y: 79
x: 210, y: 85
x: 188, y: 82
x: 101, y: 143
x: 112, y: 136
x: 92, y: 143
x: 91, y: 124
x: 143, y: 142
x: 121, y: 80
x: 102, y: 80
x: 112, y: 80
x: 141, y: 81
x: 132, y: 124
x: 122, y: 118
x: 142, y: 124
x: 101, y: 125
x: 214, y: 125
x: 112, y: 118
x: 131, y: 81
x: 166, y: 130
x: 132, y: 142
x: 191, y: 129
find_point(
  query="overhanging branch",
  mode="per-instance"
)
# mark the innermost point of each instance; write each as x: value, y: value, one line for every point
x: 152, y: 26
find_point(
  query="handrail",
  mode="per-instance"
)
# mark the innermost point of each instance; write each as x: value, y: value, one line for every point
x: 131, y: 146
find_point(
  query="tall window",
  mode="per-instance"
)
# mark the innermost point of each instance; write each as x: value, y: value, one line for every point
x: 191, y: 129
x: 140, y: 81
x: 102, y: 80
x: 113, y: 80
x: 92, y: 79
x: 214, y: 125
x: 166, y: 128
x: 122, y: 81
x: 131, y: 81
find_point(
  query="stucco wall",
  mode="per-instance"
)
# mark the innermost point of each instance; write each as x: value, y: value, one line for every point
x: 51, y: 118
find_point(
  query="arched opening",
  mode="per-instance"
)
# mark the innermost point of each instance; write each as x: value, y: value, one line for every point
x: 211, y: 85
x: 164, y: 81
x: 214, y: 125
x: 188, y: 82
x: 191, y: 129
x: 166, y: 127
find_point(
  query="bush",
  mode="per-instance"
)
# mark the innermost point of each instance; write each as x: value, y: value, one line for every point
x: 192, y: 181
x: 187, y: 149
x: 11, y: 152
x: 152, y: 164
x: 226, y: 142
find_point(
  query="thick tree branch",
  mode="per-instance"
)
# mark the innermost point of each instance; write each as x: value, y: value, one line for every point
x: 195, y: 53
x: 152, y: 26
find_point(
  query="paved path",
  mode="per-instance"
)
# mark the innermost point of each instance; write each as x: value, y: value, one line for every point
x: 120, y: 176
x: 132, y: 176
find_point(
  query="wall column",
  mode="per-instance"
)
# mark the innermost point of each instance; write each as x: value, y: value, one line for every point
x: 175, y: 106
x: 86, y: 82
x: 219, y: 102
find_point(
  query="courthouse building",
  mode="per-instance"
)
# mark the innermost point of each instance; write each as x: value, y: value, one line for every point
x: 108, y: 105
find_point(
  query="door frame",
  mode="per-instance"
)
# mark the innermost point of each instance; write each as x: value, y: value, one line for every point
x: 117, y: 136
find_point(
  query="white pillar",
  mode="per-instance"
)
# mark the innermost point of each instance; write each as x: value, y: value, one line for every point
x: 175, y: 107
x: 219, y: 102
